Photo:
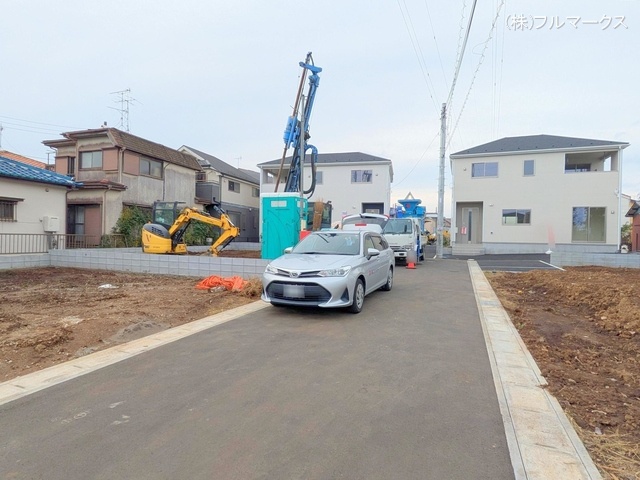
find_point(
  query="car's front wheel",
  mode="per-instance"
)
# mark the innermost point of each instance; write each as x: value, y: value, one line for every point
x: 358, y: 297
x: 387, y: 286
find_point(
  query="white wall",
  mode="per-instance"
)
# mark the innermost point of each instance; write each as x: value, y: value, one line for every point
x: 550, y: 194
x: 244, y: 197
x: 337, y: 187
x: 40, y: 200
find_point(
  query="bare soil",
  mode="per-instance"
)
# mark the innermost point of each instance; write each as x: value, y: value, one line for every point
x: 581, y: 325
x: 51, y: 315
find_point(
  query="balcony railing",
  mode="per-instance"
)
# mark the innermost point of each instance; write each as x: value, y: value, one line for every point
x: 44, y: 242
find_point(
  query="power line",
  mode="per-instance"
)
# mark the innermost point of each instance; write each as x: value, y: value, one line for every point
x: 435, y: 40
x: 499, y: 100
x: 461, y: 54
x: 28, y: 128
x: 416, y: 49
x: 475, y: 73
x: 395, y: 184
x: 38, y: 123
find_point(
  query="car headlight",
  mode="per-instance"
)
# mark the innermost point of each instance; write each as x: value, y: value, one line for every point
x: 271, y: 269
x: 335, y: 272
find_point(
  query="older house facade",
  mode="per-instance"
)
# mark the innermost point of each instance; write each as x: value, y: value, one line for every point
x: 119, y: 170
x: 353, y: 182
x: 537, y: 193
x: 235, y: 190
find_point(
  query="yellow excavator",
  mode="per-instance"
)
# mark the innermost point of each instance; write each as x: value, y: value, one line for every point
x: 170, y: 221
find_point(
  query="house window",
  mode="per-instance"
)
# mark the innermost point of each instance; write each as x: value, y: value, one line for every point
x: 91, y: 159
x: 516, y: 217
x: 8, y: 210
x: 75, y: 219
x: 201, y: 176
x: 589, y: 224
x: 361, y: 176
x: 529, y: 168
x: 577, y: 167
x: 234, y: 186
x: 484, y: 169
x: 269, y: 177
x: 255, y: 192
x: 150, y: 168
x: 71, y: 166
x: 318, y: 178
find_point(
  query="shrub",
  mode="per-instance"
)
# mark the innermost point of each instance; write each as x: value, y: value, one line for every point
x: 130, y: 225
x: 197, y: 233
x: 625, y: 234
x: 446, y: 238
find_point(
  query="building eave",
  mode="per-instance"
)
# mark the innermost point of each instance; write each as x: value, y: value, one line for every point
x: 601, y: 148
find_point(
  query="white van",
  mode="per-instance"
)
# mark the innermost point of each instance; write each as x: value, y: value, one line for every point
x: 404, y: 236
x: 367, y: 221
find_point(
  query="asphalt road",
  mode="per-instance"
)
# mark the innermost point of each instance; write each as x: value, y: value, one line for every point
x: 401, y: 391
x: 511, y: 263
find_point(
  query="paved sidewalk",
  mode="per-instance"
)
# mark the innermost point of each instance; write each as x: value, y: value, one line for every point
x: 542, y: 442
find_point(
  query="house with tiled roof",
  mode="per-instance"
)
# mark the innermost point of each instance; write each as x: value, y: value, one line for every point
x: 235, y: 190
x: 536, y: 193
x: 32, y: 199
x: 22, y: 159
x: 354, y: 182
x: 119, y: 170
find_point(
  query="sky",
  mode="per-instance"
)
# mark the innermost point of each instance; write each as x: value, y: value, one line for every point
x: 222, y: 77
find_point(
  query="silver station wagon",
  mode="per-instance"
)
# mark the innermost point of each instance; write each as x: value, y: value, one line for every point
x: 330, y: 268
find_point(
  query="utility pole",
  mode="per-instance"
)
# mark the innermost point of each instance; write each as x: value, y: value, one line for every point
x: 443, y: 141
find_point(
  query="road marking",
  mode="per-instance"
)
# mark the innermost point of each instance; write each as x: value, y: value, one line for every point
x: 551, y: 265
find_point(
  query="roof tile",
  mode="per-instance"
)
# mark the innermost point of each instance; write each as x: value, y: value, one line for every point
x: 13, y: 169
x: 535, y: 142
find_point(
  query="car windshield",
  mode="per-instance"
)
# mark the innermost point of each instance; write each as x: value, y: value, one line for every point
x: 397, y: 225
x: 328, y: 243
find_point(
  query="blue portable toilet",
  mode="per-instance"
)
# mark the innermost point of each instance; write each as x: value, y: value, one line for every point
x: 280, y: 221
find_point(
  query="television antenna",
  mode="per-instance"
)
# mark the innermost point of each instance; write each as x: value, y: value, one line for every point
x: 125, y: 100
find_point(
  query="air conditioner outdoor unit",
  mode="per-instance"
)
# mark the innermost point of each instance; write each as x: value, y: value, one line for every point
x: 51, y: 223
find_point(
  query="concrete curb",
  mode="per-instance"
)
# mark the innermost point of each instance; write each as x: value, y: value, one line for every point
x: 542, y: 442
x: 27, y: 384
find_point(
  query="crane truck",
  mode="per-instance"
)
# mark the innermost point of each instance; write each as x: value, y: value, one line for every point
x: 170, y: 221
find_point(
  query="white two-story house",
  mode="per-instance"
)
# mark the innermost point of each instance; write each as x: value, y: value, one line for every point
x: 353, y: 182
x: 537, y: 193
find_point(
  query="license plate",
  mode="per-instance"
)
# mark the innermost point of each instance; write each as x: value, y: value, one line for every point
x: 293, y: 291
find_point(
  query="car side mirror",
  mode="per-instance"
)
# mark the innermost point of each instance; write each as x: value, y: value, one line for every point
x: 372, y: 252
x: 288, y: 250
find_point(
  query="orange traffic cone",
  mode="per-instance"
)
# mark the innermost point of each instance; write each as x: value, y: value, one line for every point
x: 411, y: 265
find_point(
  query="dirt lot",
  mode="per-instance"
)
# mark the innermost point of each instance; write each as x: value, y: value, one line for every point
x: 581, y: 325
x: 51, y: 315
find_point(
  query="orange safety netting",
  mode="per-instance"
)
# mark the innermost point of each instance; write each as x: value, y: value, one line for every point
x: 230, y: 283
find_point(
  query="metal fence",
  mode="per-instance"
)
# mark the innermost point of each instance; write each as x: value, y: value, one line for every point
x: 12, y: 243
